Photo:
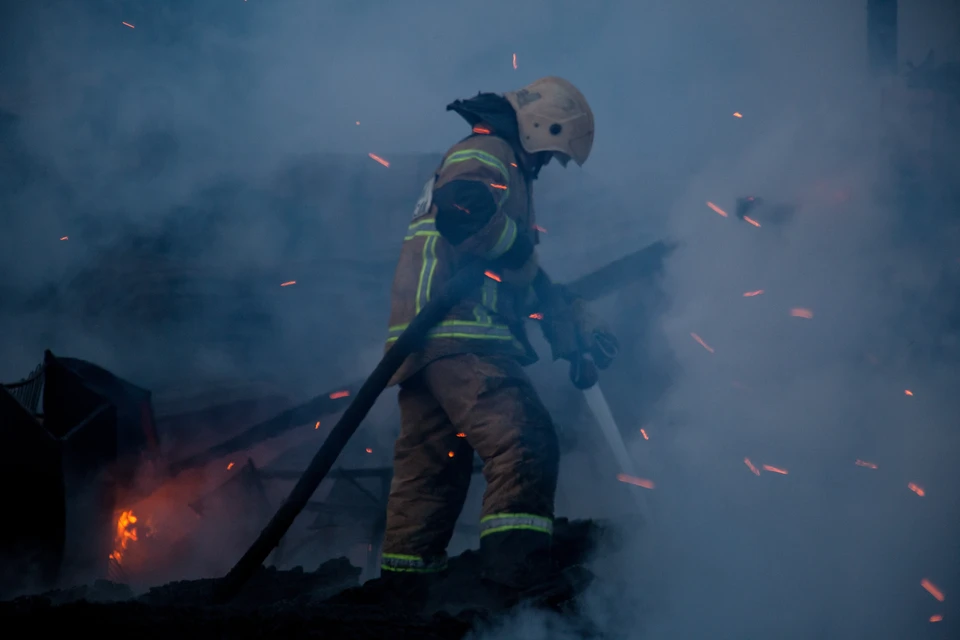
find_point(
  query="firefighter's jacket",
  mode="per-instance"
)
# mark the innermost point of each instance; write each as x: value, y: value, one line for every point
x: 477, y: 205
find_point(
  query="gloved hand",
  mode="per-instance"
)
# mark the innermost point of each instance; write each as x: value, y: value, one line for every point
x: 593, y: 335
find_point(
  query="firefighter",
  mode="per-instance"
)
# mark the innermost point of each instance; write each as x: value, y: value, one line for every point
x: 466, y: 390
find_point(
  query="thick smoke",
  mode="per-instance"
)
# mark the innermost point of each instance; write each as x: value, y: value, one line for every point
x: 172, y: 137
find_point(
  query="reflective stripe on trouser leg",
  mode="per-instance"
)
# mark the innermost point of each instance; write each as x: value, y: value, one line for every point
x: 500, y: 522
x: 411, y: 564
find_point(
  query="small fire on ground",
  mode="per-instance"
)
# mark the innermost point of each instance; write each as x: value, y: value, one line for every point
x: 126, y: 533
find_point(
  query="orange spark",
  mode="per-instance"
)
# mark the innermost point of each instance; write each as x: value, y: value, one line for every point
x: 750, y: 294
x: 358, y: 123
x: 750, y: 466
x: 481, y: 130
x: 640, y: 482
x: 702, y: 343
x: 498, y: 186
x: 514, y: 165
x: 229, y: 466
x: 339, y: 394
x: 536, y: 316
x: 801, y: 313
x: 864, y: 463
x: 65, y: 238
x: 932, y: 589
x: 514, y: 61
x: 461, y: 435
x: 643, y: 432
x: 449, y: 454
x: 127, y: 24
x: 751, y: 221
x: 368, y: 450
x: 288, y: 283
x: 492, y: 275
x: 737, y: 114
x: 917, y: 489
x: 539, y: 228
x: 773, y: 469
x: 317, y: 426
x: 908, y: 392
x: 936, y: 618
x: 717, y: 209
x: 379, y: 159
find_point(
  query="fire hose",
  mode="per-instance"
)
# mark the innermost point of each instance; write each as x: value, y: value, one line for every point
x: 411, y: 339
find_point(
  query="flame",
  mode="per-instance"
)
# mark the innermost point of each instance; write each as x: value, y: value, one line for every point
x: 908, y: 392
x: 702, y: 343
x: 492, y: 275
x: 65, y: 238
x: 368, y: 450
x: 643, y: 432
x: 288, y: 283
x: 379, y: 159
x: 750, y: 466
x: 498, y: 186
x: 751, y: 221
x: 932, y: 589
x: 863, y: 463
x: 481, y: 130
x: 717, y: 209
x: 229, y: 466
x: 514, y: 61
x: 449, y: 454
x: 750, y: 294
x: 640, y: 482
x: 773, y: 469
x: 936, y: 618
x: 801, y: 313
x: 336, y: 395
x: 536, y: 316
x: 126, y: 531
x: 737, y: 114
x: 127, y: 24
x: 917, y: 489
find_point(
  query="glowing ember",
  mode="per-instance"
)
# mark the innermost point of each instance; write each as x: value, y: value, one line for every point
x: 917, y: 489
x: 539, y: 228
x: 907, y: 392
x: 717, y: 209
x: 737, y: 114
x: 288, y: 283
x: 65, y: 238
x: 640, y: 482
x: 514, y: 61
x: 449, y: 454
x: 750, y: 466
x: 368, y: 450
x: 317, y: 426
x: 932, y: 589
x: 481, y: 130
x: 492, y: 275
x: 751, y: 221
x: 702, y: 343
x: 498, y: 186
x: 801, y: 313
x: 773, y: 469
x: 536, y: 316
x: 127, y: 24
x: 864, y: 463
x: 514, y: 165
x: 936, y: 618
x: 750, y: 294
x: 229, y: 466
x: 337, y: 395
x: 643, y: 432
x: 461, y: 435
x: 126, y: 532
x: 379, y: 159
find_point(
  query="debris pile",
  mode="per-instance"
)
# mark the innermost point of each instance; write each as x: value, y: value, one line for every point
x: 294, y: 603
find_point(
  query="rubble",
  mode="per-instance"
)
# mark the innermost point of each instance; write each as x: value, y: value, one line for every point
x: 326, y: 602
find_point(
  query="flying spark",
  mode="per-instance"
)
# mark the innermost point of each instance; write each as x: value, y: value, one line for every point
x: 481, y: 130
x: 461, y: 435
x: 536, y: 316
x: 639, y: 482
x: 773, y: 469
x: 339, y: 394
x: 368, y: 450
x: 498, y: 186
x: 539, y: 228
x: 751, y: 221
x: 65, y: 238
x: 864, y: 463
x: 317, y: 426
x: 932, y: 589
x: 492, y: 275
x: 288, y: 283
x: 229, y: 466
x: 514, y: 61
x: 936, y: 618
x: 737, y: 114
x: 917, y: 489
x: 449, y: 454
x: 801, y: 313
x: 717, y: 209
x: 127, y: 24
x: 643, y: 432
x: 907, y: 392
x: 750, y: 294
x: 702, y: 343
x: 751, y: 466
x: 379, y: 159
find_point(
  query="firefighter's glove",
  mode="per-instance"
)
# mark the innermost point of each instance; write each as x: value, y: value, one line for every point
x: 583, y: 373
x: 594, y: 337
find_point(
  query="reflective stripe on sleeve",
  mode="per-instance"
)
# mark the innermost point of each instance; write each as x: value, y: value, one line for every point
x: 480, y: 156
x: 507, y: 237
x: 459, y: 329
x: 411, y: 564
x: 498, y: 522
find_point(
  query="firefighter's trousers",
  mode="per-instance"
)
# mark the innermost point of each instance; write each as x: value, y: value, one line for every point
x: 454, y: 406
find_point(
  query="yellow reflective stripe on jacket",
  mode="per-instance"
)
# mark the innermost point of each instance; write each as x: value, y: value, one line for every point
x: 507, y: 237
x: 428, y: 267
x: 411, y: 564
x: 421, y: 228
x: 498, y: 522
x: 480, y: 156
x: 459, y: 329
